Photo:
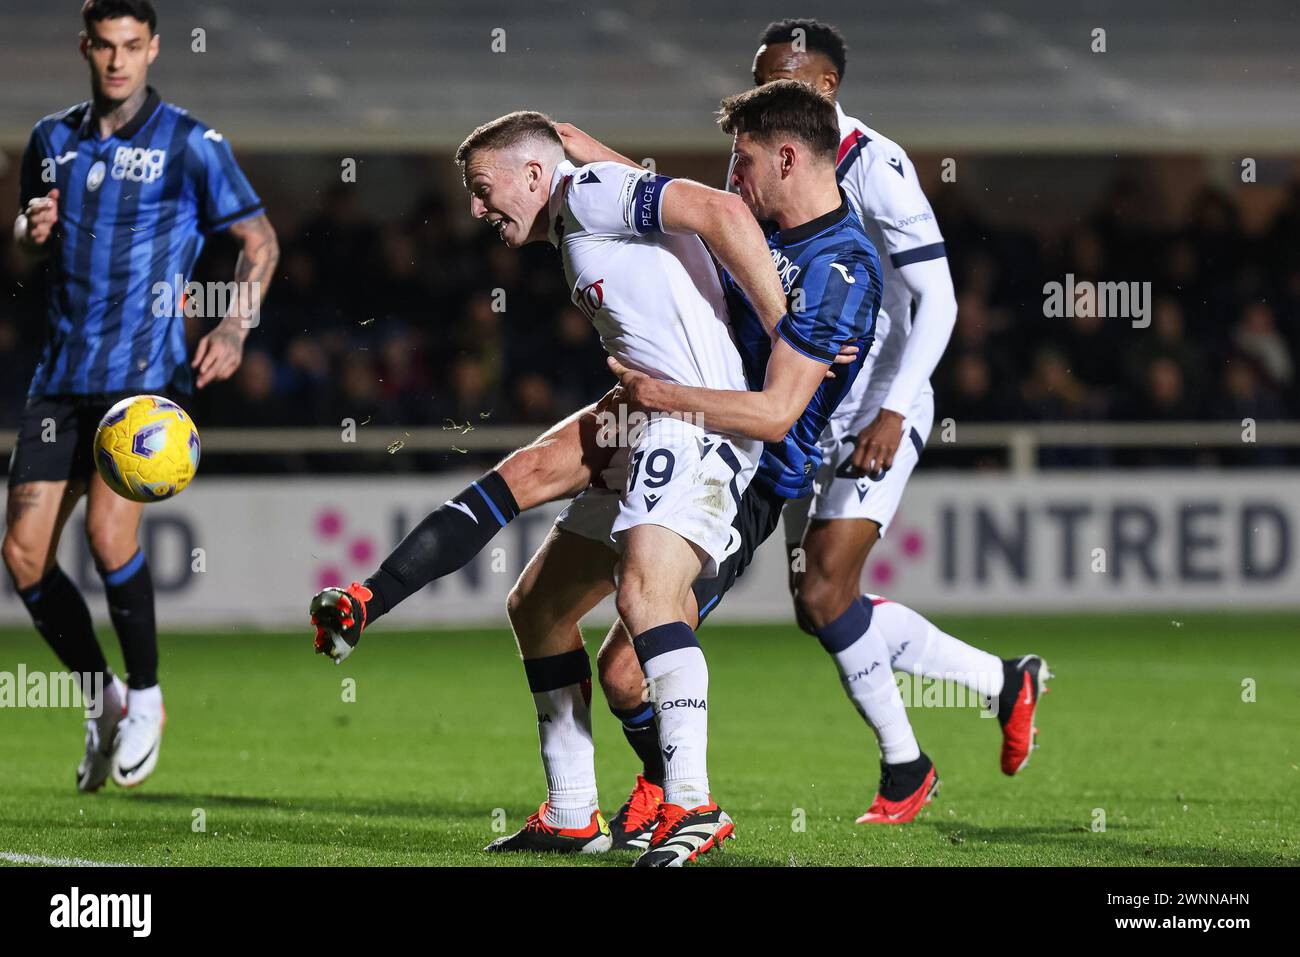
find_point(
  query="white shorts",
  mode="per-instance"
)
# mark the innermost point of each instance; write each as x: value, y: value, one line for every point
x: 841, y: 496
x: 674, y: 475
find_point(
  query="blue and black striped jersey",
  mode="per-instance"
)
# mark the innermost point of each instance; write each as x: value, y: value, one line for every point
x: 134, y: 210
x: 831, y: 276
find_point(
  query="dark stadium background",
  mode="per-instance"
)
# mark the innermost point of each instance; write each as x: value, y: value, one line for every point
x: 1115, y: 166
x: 388, y: 315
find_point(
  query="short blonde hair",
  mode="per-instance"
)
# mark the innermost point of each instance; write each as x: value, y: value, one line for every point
x: 507, y: 131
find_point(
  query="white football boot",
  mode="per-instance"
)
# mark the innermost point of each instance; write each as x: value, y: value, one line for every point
x: 139, y: 737
x: 101, y: 730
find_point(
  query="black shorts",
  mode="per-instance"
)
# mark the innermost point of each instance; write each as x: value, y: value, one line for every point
x: 56, y: 436
x: 756, y: 519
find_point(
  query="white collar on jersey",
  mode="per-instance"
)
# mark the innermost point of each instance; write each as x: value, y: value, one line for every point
x: 846, y: 122
x: 562, y: 171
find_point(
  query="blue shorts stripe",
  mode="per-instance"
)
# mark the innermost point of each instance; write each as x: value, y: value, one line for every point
x: 709, y: 607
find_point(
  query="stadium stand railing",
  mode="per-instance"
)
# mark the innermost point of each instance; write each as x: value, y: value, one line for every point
x: 1020, y: 441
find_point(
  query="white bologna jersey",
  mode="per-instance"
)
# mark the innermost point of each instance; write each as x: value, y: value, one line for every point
x: 881, y: 183
x: 654, y: 297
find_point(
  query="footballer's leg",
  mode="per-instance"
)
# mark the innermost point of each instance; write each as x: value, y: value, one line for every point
x: 830, y: 606
x: 625, y: 690
x: 559, y: 463
x: 627, y: 695
x: 624, y: 684
x: 566, y: 578
x: 112, y: 529
x: 1013, y: 685
x: 655, y: 577
x: 42, y: 496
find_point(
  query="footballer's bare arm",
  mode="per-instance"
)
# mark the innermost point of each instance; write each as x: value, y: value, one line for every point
x: 220, y: 352
x: 583, y: 148
x: 766, y: 414
x: 733, y: 235
x: 259, y: 254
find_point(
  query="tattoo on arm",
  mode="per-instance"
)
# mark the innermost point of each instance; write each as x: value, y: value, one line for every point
x: 254, y: 269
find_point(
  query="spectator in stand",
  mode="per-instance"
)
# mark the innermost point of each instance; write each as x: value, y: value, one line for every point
x: 534, y: 401
x: 1245, y: 399
x: 1053, y: 392
x: 577, y: 369
x: 1164, y: 339
x: 471, y: 395
x: 1256, y: 337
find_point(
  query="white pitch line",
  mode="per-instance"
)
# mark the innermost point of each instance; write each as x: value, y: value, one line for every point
x: 13, y: 857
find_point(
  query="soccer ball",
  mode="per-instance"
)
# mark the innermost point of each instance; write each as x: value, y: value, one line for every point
x: 147, y: 448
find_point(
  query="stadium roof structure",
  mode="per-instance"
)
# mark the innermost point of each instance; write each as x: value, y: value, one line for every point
x: 935, y: 74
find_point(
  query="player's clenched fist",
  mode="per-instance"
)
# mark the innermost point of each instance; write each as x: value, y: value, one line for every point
x: 38, y: 219
x: 877, y: 444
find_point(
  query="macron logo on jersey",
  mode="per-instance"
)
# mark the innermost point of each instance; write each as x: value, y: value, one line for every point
x: 137, y: 164
x: 588, y: 177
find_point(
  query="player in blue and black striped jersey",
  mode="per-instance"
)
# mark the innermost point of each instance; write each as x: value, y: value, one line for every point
x: 784, y: 167
x: 118, y: 194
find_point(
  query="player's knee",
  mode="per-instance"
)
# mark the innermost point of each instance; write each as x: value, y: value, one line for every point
x: 531, y: 616
x: 620, y: 674
x: 819, y: 601
x: 25, y: 561
x: 633, y: 600
x: 109, y: 546
x: 517, y: 603
x: 536, y: 473
x: 520, y: 472
x: 800, y: 618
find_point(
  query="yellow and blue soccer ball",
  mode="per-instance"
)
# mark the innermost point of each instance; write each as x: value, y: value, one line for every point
x: 147, y: 448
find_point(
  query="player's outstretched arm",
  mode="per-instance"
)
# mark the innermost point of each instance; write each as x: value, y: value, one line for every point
x: 219, y: 352
x: 766, y: 415
x: 583, y: 148
x: 732, y: 234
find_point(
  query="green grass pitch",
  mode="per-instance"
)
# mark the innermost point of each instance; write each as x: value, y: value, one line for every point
x: 1145, y: 722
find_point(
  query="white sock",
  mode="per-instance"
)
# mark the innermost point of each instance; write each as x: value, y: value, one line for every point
x: 862, y: 656
x: 564, y: 727
x: 104, y: 704
x: 678, y: 677
x: 918, y: 647
x: 145, y: 701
